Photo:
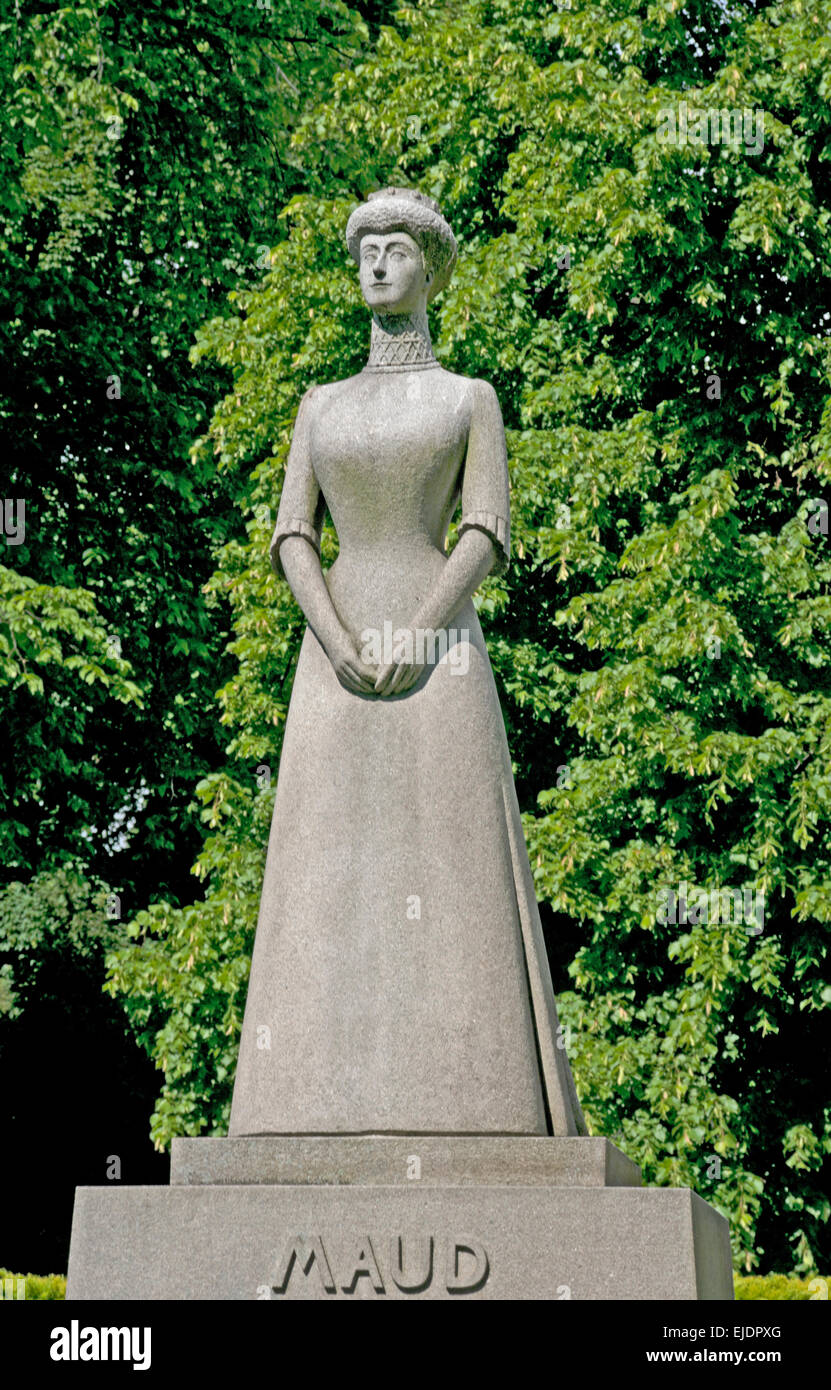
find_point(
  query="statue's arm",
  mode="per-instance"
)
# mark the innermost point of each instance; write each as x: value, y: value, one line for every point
x: 295, y: 554
x: 484, y: 532
x: 472, y: 560
x: 301, y: 566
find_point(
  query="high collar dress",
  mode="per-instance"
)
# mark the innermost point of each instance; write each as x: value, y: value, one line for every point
x: 399, y: 982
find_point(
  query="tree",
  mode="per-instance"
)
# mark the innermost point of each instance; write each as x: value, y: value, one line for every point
x: 144, y: 156
x: 144, y: 160
x: 650, y: 311
x: 73, y: 1096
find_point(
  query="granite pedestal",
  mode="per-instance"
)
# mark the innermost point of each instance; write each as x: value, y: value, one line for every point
x: 379, y: 1216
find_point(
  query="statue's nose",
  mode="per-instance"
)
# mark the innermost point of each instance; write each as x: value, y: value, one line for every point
x: 379, y: 270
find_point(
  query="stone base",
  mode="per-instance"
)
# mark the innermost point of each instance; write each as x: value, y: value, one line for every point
x: 430, y: 1160
x: 388, y: 1217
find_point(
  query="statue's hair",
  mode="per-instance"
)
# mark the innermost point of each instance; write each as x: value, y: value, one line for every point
x: 407, y: 210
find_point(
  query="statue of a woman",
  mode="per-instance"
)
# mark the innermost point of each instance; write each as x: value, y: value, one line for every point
x: 399, y: 982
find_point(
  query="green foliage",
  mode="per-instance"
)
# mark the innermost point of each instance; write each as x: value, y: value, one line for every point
x: 772, y: 1287
x: 57, y: 920
x: 779, y: 1288
x: 183, y: 978
x: 51, y: 638
x: 43, y: 626
x: 39, y: 1286
x: 651, y: 317
x: 144, y: 156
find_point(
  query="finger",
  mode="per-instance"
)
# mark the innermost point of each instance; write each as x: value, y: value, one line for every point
x: 410, y: 681
x: 369, y: 674
x: 359, y: 679
x: 399, y: 680
x: 388, y: 688
x: 383, y: 678
x: 350, y: 677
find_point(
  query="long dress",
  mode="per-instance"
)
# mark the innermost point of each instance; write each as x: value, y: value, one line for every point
x: 399, y: 982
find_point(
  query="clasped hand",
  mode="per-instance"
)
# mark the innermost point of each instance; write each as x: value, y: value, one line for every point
x: 369, y: 678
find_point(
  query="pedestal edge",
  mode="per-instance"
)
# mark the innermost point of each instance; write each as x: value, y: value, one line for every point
x: 431, y: 1160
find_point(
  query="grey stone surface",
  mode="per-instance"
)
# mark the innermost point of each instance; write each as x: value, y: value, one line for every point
x: 714, y: 1262
x: 513, y: 1242
x: 399, y: 979
x: 427, y: 1159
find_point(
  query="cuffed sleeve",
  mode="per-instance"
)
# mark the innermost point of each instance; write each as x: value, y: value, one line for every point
x: 294, y: 527
x: 302, y: 505
x: 497, y: 528
x: 486, y: 504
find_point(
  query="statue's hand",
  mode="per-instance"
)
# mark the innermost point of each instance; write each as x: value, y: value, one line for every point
x: 351, y: 670
x: 397, y: 676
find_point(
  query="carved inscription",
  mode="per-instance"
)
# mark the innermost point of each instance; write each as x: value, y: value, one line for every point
x: 412, y: 1265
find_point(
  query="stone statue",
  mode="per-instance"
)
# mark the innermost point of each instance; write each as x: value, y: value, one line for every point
x: 404, y: 1121
x: 399, y: 975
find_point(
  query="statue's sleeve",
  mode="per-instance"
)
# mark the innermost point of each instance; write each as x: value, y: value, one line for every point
x: 302, y: 505
x: 485, y: 488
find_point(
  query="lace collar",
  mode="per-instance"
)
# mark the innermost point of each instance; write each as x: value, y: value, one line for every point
x: 400, y: 343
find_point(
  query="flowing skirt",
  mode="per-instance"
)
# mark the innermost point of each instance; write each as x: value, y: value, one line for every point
x: 399, y: 982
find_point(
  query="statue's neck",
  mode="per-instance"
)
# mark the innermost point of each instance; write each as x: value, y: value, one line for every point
x: 400, y: 343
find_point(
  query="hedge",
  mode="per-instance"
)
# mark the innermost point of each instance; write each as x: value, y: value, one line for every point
x: 50, y: 1286
x: 767, y: 1287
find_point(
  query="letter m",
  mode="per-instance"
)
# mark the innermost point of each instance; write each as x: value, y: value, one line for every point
x: 431, y: 645
x: 115, y: 1344
x: 305, y: 1253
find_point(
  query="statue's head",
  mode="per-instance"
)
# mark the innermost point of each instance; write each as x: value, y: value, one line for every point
x: 404, y: 249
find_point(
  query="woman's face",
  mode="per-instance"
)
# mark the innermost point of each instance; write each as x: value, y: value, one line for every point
x: 393, y: 278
